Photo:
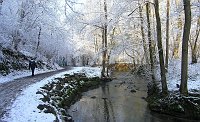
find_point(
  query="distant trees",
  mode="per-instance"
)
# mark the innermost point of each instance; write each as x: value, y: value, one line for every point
x: 105, y: 33
x: 35, y: 27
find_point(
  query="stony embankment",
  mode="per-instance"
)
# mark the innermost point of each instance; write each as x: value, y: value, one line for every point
x: 60, y: 94
x: 174, y: 104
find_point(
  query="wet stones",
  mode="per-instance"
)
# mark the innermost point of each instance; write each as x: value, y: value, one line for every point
x: 176, y: 105
x: 143, y: 98
x: 63, y: 92
x: 133, y: 91
x: 46, y: 108
x: 93, y: 97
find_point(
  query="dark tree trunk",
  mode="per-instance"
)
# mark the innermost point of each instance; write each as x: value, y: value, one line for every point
x: 194, y: 46
x: 103, y: 56
x: 167, y: 36
x: 186, y: 34
x: 38, y: 42
x: 104, y: 40
x: 160, y: 50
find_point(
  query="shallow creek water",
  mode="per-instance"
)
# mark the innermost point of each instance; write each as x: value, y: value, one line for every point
x: 121, y: 100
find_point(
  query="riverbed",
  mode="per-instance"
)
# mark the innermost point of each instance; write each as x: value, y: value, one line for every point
x: 122, y: 100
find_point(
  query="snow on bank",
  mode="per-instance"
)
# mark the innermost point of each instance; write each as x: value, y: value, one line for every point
x: 24, y: 108
x: 174, y: 76
x: 19, y: 74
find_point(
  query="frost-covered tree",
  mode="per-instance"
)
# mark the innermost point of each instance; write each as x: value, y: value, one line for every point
x: 35, y: 28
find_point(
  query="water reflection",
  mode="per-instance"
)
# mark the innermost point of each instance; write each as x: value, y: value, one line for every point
x: 114, y: 102
x: 108, y: 107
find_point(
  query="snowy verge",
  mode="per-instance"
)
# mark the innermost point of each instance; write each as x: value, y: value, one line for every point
x: 24, y: 108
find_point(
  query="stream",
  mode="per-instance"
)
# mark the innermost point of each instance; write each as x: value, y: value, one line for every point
x: 122, y: 100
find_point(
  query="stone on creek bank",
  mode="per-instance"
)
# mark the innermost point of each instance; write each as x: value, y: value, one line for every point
x: 174, y: 104
x: 60, y: 94
x: 133, y: 91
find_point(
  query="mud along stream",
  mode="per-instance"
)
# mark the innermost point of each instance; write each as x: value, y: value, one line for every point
x: 122, y: 100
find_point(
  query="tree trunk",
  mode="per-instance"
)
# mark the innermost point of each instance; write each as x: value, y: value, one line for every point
x: 178, y: 36
x: 38, y: 42
x: 150, y: 42
x: 160, y: 50
x: 178, y: 39
x: 142, y: 32
x: 194, y: 46
x: 167, y: 36
x: 186, y: 34
x: 104, y: 40
x: 103, y: 55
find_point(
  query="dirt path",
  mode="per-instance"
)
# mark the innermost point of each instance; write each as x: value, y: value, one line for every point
x: 10, y: 90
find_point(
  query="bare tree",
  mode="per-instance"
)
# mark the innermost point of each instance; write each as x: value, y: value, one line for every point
x: 38, y: 41
x: 167, y: 36
x: 150, y: 41
x: 104, y: 40
x: 186, y: 34
x: 160, y: 49
x: 193, y: 43
x: 178, y: 36
x: 142, y: 32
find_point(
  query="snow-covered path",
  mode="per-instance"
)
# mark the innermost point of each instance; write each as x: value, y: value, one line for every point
x: 23, y: 108
x: 10, y: 90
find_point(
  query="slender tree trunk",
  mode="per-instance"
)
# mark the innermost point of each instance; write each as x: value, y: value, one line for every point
x: 38, y: 43
x: 186, y: 34
x: 194, y: 46
x: 150, y: 42
x: 103, y: 55
x: 178, y: 39
x: 104, y: 43
x: 96, y: 48
x: 107, y: 71
x: 110, y: 51
x: 160, y: 50
x: 167, y: 36
x: 178, y: 36
x: 142, y: 32
x: 106, y: 48
x: 95, y: 44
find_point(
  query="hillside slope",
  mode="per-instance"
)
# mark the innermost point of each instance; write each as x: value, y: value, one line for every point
x: 11, y: 61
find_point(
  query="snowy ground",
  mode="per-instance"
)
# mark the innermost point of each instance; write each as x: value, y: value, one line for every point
x: 24, y: 108
x: 174, y: 76
x: 20, y: 74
